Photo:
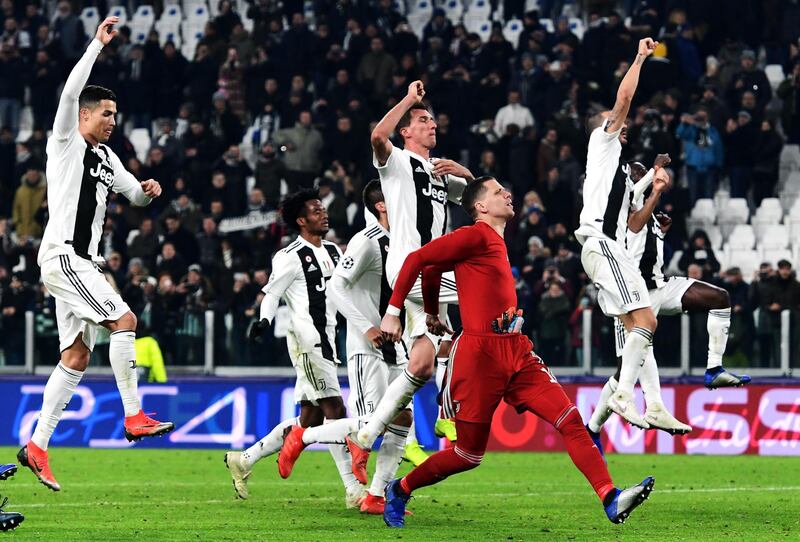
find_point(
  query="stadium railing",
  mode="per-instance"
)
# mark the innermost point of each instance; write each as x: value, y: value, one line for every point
x: 210, y: 345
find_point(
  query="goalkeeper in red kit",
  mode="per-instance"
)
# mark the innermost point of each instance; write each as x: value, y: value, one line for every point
x: 490, y: 362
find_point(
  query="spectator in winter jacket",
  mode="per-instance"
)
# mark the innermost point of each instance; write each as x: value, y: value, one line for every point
x: 704, y: 154
x: 28, y: 202
x: 304, y: 146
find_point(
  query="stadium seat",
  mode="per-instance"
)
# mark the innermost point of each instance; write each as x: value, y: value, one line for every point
x: 548, y: 25
x: 577, y: 27
x: 774, y: 236
x: 170, y: 35
x: 143, y: 19
x: 531, y: 5
x: 512, y: 30
x: 479, y: 8
x: 399, y: 6
x: 735, y: 211
x: 704, y: 211
x: 774, y: 74
x: 421, y: 6
x: 454, y: 9
x: 742, y: 237
x: 90, y: 18
x: 140, y: 139
x: 745, y: 259
x: 121, y: 12
x: 192, y: 31
x: 714, y: 235
x: 774, y: 255
x: 769, y: 213
x: 138, y: 38
x: 198, y: 13
x: 484, y: 31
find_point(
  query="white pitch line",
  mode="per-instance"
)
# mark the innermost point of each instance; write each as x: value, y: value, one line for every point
x: 333, y: 498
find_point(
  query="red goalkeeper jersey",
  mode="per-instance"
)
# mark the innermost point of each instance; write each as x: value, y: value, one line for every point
x: 479, y: 258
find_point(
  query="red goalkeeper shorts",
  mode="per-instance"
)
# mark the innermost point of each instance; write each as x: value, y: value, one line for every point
x: 485, y: 368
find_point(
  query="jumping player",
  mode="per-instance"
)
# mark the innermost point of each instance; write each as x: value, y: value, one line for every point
x: 671, y: 295
x: 603, y: 222
x: 81, y: 173
x: 487, y: 367
x: 417, y: 189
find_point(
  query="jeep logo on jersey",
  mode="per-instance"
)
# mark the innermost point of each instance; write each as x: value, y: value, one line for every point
x: 435, y: 193
x: 104, y: 174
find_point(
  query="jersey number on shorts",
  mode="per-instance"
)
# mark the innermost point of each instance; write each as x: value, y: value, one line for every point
x: 548, y: 372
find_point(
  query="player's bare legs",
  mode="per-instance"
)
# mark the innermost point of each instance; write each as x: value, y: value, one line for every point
x: 701, y: 297
x: 401, y: 390
x: 642, y: 324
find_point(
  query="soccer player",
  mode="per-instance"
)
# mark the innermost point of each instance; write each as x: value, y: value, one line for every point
x: 669, y: 296
x: 82, y: 172
x: 486, y: 366
x: 300, y: 275
x: 417, y: 189
x: 603, y: 221
x: 360, y: 290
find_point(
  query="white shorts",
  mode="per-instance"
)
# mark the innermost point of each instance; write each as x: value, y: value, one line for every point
x: 84, y: 298
x: 369, y: 377
x: 665, y: 300
x: 415, y: 309
x: 621, y: 286
x: 316, y: 377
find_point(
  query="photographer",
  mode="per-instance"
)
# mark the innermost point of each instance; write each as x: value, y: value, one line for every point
x: 702, y: 144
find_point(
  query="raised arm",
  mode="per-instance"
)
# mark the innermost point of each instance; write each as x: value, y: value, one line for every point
x: 66, y: 120
x: 379, y: 139
x: 638, y: 220
x: 627, y: 87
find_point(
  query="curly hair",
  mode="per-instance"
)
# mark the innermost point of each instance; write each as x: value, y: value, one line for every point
x: 293, y: 206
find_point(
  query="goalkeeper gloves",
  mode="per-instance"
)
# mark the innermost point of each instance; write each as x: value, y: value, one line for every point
x: 509, y: 322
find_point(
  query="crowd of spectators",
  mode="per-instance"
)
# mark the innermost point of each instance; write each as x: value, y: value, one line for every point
x: 303, y: 93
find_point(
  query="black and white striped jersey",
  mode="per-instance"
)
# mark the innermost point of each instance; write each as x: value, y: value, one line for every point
x: 416, y: 202
x: 366, y: 292
x: 80, y: 176
x: 606, y: 192
x: 646, y: 249
x: 300, y: 273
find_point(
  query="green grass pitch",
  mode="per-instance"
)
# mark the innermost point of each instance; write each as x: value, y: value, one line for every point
x: 160, y: 495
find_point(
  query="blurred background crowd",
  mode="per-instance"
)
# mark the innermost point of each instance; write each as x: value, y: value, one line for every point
x: 271, y: 95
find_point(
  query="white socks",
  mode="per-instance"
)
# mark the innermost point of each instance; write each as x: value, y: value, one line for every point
x: 719, y: 321
x: 649, y: 380
x: 57, y: 395
x: 412, y: 433
x: 396, y: 398
x: 601, y: 411
x: 122, y: 354
x: 389, y: 457
x: 331, y: 432
x: 344, y: 464
x: 441, y: 368
x: 267, y: 445
x: 633, y: 354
